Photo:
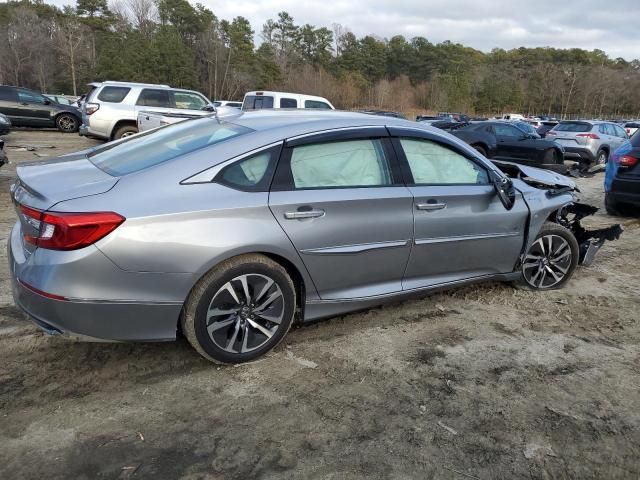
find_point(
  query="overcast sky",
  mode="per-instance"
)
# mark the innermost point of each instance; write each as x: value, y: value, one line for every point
x: 611, y: 25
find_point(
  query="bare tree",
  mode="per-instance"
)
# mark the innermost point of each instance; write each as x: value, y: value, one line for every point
x: 144, y: 13
x: 70, y: 41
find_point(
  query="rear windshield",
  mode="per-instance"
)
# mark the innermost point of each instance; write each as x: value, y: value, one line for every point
x: 157, y: 146
x: 257, y: 102
x: 573, y: 127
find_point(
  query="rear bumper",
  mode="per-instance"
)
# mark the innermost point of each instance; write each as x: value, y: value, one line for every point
x: 625, y: 190
x: 579, y: 154
x: 95, y: 318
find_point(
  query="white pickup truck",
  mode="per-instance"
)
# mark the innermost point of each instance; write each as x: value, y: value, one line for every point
x: 150, y: 120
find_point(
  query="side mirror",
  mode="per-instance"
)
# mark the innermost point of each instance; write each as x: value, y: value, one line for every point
x: 504, y: 189
x: 209, y: 108
x: 47, y: 101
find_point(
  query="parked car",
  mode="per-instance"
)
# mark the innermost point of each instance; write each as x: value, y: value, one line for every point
x: 483, y: 140
x: 622, y: 177
x: 273, y: 215
x: 27, y: 108
x: 545, y: 126
x: 62, y: 99
x: 512, y: 117
x: 110, y: 110
x: 227, y: 103
x: 588, y: 141
x: 262, y: 99
x: 423, y: 118
x: 517, y: 142
x: 631, y: 127
x: 5, y: 124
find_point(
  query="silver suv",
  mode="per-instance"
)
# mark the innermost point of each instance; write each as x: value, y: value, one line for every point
x: 111, y: 108
x: 587, y: 141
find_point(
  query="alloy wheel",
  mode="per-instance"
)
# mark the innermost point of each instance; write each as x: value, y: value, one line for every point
x: 127, y: 134
x: 602, y: 158
x: 547, y: 262
x: 66, y: 123
x: 245, y: 313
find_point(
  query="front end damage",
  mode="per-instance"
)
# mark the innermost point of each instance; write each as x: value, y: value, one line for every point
x: 590, y: 241
x: 552, y: 197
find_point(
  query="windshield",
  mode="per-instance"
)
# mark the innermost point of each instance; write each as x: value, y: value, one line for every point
x: 157, y: 146
x: 573, y: 127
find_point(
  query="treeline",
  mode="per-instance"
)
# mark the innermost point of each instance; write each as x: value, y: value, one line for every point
x: 171, y: 41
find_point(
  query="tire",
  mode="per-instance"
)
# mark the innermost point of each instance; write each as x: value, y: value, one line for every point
x: 237, y: 319
x: 67, y: 123
x: 557, y: 264
x: 125, y: 131
x: 611, y: 206
x: 480, y: 149
x: 602, y: 157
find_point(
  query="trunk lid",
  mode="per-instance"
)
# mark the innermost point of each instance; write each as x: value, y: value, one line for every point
x: 41, y: 185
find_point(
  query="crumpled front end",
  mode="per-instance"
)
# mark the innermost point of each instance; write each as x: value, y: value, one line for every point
x: 590, y: 241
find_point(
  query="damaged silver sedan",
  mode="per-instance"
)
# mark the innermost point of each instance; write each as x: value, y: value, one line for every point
x: 268, y: 217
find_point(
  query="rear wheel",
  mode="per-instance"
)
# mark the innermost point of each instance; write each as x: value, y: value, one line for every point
x: 602, y: 157
x: 125, y: 131
x: 550, y: 260
x: 550, y: 157
x: 67, y: 123
x: 611, y: 206
x: 240, y: 310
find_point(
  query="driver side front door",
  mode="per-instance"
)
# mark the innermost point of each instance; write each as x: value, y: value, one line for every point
x: 461, y: 228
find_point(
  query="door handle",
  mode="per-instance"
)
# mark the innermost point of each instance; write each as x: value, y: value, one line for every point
x: 430, y: 206
x: 304, y: 214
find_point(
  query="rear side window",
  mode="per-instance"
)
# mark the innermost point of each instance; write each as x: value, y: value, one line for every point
x: 257, y: 102
x: 252, y: 173
x: 316, y: 104
x: 158, y: 146
x: 433, y: 164
x: 351, y: 163
x: 154, y: 98
x: 8, y: 94
x: 288, y: 103
x: 113, y: 94
x: 573, y: 127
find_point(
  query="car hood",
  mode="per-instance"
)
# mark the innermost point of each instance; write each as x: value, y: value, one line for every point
x: 535, y: 176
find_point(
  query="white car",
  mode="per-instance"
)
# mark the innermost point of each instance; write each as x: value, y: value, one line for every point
x: 512, y: 117
x: 263, y: 99
x: 227, y: 103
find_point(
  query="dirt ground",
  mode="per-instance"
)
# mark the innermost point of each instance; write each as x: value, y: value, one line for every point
x: 482, y: 382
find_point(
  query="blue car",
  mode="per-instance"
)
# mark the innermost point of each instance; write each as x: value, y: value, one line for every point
x: 622, y: 179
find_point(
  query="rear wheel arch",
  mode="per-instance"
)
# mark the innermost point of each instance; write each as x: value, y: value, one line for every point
x: 122, y: 123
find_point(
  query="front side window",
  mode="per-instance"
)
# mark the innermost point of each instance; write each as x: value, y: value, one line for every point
x: 188, y: 101
x: 25, y: 96
x: 433, y: 164
x: 507, y: 131
x: 316, y: 104
x: 252, y: 173
x: 113, y: 94
x: 620, y: 131
x: 288, y: 103
x: 154, y: 98
x: 350, y: 163
x: 157, y: 146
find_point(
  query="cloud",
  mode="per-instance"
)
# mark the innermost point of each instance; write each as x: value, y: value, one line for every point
x: 482, y: 24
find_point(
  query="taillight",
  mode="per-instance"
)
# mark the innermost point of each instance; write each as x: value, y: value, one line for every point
x: 592, y: 136
x: 627, y: 161
x: 91, y: 108
x: 68, y: 231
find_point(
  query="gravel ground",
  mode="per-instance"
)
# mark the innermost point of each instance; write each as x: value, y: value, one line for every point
x: 480, y: 382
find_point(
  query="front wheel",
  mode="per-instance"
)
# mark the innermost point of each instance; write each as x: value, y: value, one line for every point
x: 67, y: 123
x: 240, y: 310
x: 550, y: 260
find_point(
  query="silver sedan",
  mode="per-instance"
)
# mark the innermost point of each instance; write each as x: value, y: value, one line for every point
x: 231, y: 230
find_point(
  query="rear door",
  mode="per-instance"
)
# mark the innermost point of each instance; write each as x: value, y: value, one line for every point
x: 461, y: 228
x: 340, y: 199
x: 35, y: 109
